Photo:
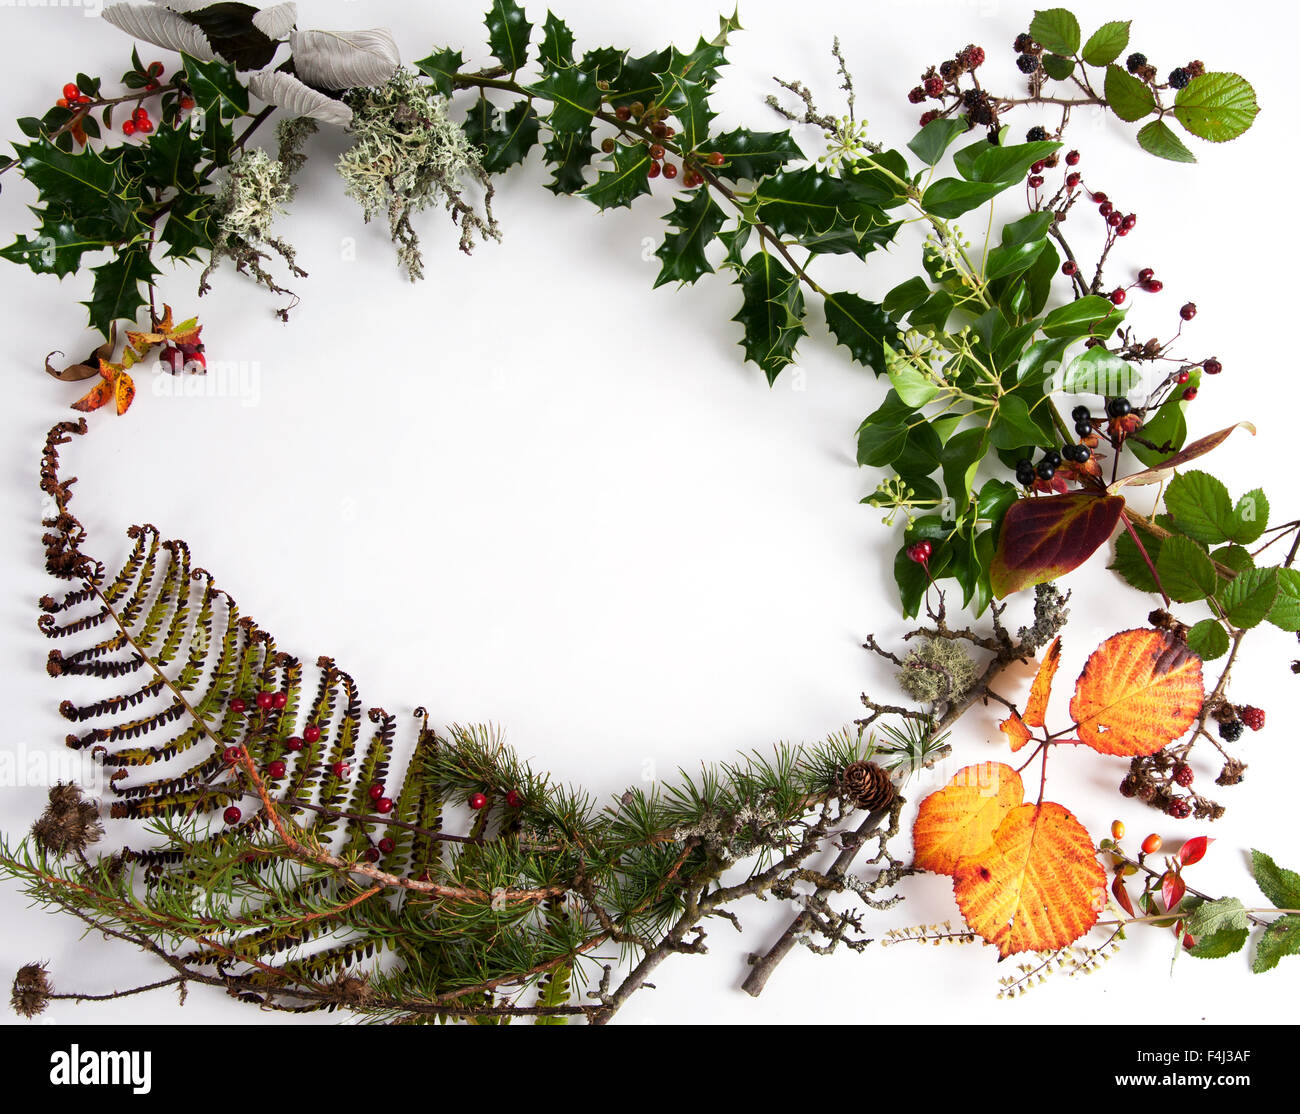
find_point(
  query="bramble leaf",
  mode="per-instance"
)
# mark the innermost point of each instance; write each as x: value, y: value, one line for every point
x: 960, y: 819
x: 1216, y: 106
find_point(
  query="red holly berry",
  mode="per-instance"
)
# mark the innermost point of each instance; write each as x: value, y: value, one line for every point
x: 232, y: 754
x: 128, y: 128
x: 386, y: 845
x: 263, y: 700
x: 670, y: 171
x: 656, y: 151
x: 145, y: 126
x: 311, y: 733
x: 1183, y: 774
x: 1188, y: 311
x: 140, y: 114
x: 232, y: 815
x: 1252, y: 717
x: 1118, y: 297
x: 155, y: 69
x: 920, y: 552
x: 376, y: 791
x: 384, y: 804
x: 1189, y: 394
x: 1212, y: 366
x: 513, y: 799
x: 279, y: 700
x: 1114, y: 220
x: 1035, y: 180
x: 1179, y: 809
x: 653, y: 171
x: 293, y: 743
x: 70, y: 91
x: 372, y: 854
x: 477, y: 801
x: 340, y: 769
x: 186, y: 103
x: 238, y: 705
x: 716, y: 158
x: 1069, y: 267
x: 1072, y: 159
x: 659, y: 131
x: 623, y: 112
x: 275, y: 771
x: 692, y: 179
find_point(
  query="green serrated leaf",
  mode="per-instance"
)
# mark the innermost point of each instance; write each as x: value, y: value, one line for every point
x: 862, y: 327
x: 1200, y: 504
x: 1216, y: 106
x: 1159, y: 139
x: 1279, y: 940
x: 1214, y: 916
x: 187, y: 231
x: 219, y: 99
x: 1225, y: 942
x: 574, y: 97
x: 1208, y: 640
x: 569, y: 154
x: 83, y: 184
x: 557, y: 43
x: 752, y: 155
x: 697, y: 219
x: 1279, y: 885
x: 772, y: 314
x: 116, y: 295
x: 1128, y: 561
x: 617, y: 186
x: 1285, y: 612
x: 1129, y: 98
x: 688, y: 101
x: 1248, y: 598
x: 1056, y: 29
x: 57, y: 247
x: 820, y: 210
x: 1249, y: 518
x: 1186, y: 571
x: 508, y: 34
x: 442, y: 66
x: 1106, y: 43
x: 504, y: 139
x: 1057, y: 66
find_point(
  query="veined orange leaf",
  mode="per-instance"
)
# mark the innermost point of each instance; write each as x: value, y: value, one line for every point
x: 1016, y: 730
x: 94, y: 398
x: 1036, y: 709
x: 960, y: 819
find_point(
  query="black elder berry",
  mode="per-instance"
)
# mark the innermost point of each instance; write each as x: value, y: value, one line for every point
x: 1135, y: 61
x: 1231, y: 732
x: 1036, y: 134
x: 1179, y: 78
x: 1118, y: 407
x: 1027, y: 64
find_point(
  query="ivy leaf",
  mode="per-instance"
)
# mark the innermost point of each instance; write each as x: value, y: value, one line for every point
x: 1279, y: 885
x: 1057, y: 30
x: 1091, y: 316
x: 570, y: 153
x: 575, y: 97
x: 697, y: 219
x: 557, y: 43
x: 1186, y: 573
x: 504, y: 140
x: 753, y: 155
x: 1139, y: 691
x: 1159, y: 139
x: 1248, y: 598
x: 1044, y: 538
x: 772, y: 314
x: 1129, y: 98
x: 1280, y: 939
x: 615, y: 187
x: 862, y: 327
x: 442, y: 66
x: 1208, y: 640
x: 913, y: 387
x: 508, y: 33
x: 1106, y: 43
x: 1216, y: 106
x: 116, y: 293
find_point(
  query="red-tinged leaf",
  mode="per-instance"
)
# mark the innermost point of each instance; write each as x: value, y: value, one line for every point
x: 108, y: 371
x: 1140, y: 690
x: 93, y: 399
x: 1014, y: 728
x: 1165, y: 468
x: 1044, y: 538
x: 1036, y: 708
x: 124, y: 392
x: 1121, y: 895
x: 1193, y: 851
x: 1172, y: 890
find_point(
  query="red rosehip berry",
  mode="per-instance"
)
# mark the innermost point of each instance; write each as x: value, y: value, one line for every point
x: 1118, y: 297
x: 1072, y: 180
x: 275, y: 771
x: 237, y: 705
x: 293, y: 742
x: 386, y: 845
x: 670, y: 171
x: 1072, y: 159
x: 1146, y: 274
x: 920, y: 552
x: 232, y: 815
x: 311, y: 733
x: 1099, y: 197
x: 477, y: 801
x: 1213, y: 367
x: 1188, y: 311
x: 513, y: 799
x: 1153, y: 286
x: 1152, y: 844
x: 1115, y: 220
x: 170, y: 358
x: 263, y: 700
x: 1038, y: 167
x: 1130, y: 220
x: 384, y: 804
x: 279, y: 700
x: 1184, y: 376
x: 1035, y: 180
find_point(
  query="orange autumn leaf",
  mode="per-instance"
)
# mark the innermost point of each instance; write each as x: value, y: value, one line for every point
x: 960, y: 819
x: 1037, y: 886
x: 1140, y: 690
x: 1036, y: 709
x: 94, y: 398
x: 164, y: 330
x: 123, y: 392
x: 1015, y: 729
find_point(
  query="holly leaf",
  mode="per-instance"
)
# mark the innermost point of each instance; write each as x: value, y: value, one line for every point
x: 570, y: 153
x: 1046, y: 537
x: 1280, y: 939
x: 1037, y: 887
x: 615, y: 187
x: 116, y: 293
x: 1279, y: 885
x: 1216, y: 106
x: 82, y: 184
x: 186, y: 230
x: 574, y: 96
x: 57, y: 247
x: 557, y: 43
x: 219, y: 98
x: 697, y: 219
x: 862, y: 327
x: 1139, y: 691
x: 960, y: 819
x: 752, y: 155
x: 442, y: 66
x: 772, y: 314
x: 689, y: 102
x: 508, y: 33
x: 1041, y: 691
x: 504, y: 140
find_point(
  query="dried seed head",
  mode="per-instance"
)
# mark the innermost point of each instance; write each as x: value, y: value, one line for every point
x: 31, y: 990
x: 69, y: 824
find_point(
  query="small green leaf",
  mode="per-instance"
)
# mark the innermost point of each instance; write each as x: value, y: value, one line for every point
x: 1090, y: 316
x: 116, y: 294
x: 1279, y: 885
x: 912, y: 386
x: 570, y: 153
x: 1216, y: 106
x: 1285, y: 613
x: 1186, y: 572
x: 1217, y: 945
x: 1008, y: 165
x: 1098, y: 371
x: 1057, y: 66
x: 1006, y: 261
x: 880, y: 442
x: 1280, y: 939
x: 1056, y: 29
x: 950, y: 197
x: 1214, y: 916
x: 1248, y: 598
x: 1106, y: 43
x: 1159, y: 139
x: 1129, y: 98
x: 936, y: 137
x: 1208, y: 640
x: 1201, y: 506
x: 906, y: 296
x: 1249, y: 518
x: 1129, y: 563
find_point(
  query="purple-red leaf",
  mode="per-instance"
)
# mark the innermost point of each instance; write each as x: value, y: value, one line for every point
x: 1044, y: 538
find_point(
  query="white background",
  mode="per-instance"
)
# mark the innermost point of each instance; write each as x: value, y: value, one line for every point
x: 532, y: 491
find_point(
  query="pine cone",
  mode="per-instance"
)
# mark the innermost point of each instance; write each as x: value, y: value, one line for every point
x: 866, y: 785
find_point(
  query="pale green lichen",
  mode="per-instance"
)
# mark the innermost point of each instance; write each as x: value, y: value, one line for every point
x: 938, y: 670
x: 408, y: 154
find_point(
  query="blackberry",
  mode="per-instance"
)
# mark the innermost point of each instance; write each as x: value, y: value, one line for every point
x: 1118, y: 407
x: 1128, y: 787
x: 1252, y: 717
x: 1080, y: 414
x: 917, y: 95
x: 1179, y: 809
x: 1179, y: 78
x: 1036, y: 134
x: 1135, y: 61
x: 1045, y: 471
x: 1183, y: 774
x: 1231, y: 732
x: 933, y: 86
x: 1195, y: 69
x: 972, y: 57
x: 1027, y: 64
x: 972, y: 97
x: 982, y: 116
x: 1023, y: 43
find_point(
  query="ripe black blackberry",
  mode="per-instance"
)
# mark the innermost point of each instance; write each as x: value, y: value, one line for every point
x: 982, y: 116
x: 1025, y: 473
x: 1036, y: 134
x: 1179, y: 78
x: 1135, y: 61
x: 1231, y: 732
x: 1027, y: 64
x: 1023, y: 43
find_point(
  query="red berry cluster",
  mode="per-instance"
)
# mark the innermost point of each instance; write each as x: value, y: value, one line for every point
x: 920, y: 552
x: 1252, y: 717
x: 72, y: 95
x: 183, y: 357
x: 940, y: 82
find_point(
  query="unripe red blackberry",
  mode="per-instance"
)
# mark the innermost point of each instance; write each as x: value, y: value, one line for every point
x: 1179, y: 809
x: 1183, y: 774
x: 1252, y: 717
x: 917, y: 95
x: 933, y: 86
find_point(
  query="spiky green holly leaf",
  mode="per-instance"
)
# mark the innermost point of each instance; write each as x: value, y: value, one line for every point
x: 173, y: 159
x: 697, y: 220
x: 508, y: 34
x: 752, y: 155
x: 116, y: 295
x: 504, y: 139
x: 58, y: 245
x: 83, y: 184
x: 574, y: 97
x: 822, y: 212
x: 637, y: 79
x: 772, y: 314
x: 623, y: 180
x: 557, y: 43
x: 703, y: 64
x: 187, y: 231
x: 221, y: 99
x: 863, y: 327
x: 688, y: 101
x: 569, y: 153
x: 442, y: 66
